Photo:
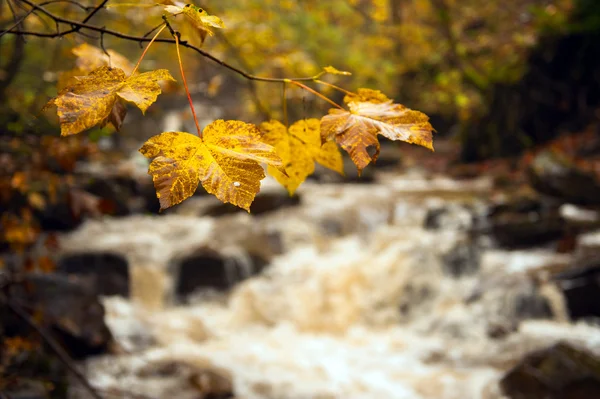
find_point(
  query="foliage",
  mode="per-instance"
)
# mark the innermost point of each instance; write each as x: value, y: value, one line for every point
x: 440, y: 55
x: 299, y: 148
x: 227, y: 156
x: 226, y: 160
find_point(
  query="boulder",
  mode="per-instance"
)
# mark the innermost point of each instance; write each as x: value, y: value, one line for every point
x: 105, y: 273
x: 555, y: 175
x: 561, y: 371
x: 525, y: 222
x: 211, y: 270
x: 66, y: 308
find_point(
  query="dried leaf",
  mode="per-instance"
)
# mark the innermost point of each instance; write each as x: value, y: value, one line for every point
x: 366, y: 95
x: 334, y: 71
x: 226, y: 160
x: 299, y: 148
x: 90, y: 100
x: 356, y: 130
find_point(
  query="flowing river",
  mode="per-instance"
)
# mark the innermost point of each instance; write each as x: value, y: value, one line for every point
x: 369, y: 291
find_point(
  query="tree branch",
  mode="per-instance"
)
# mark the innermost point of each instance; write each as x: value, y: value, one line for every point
x: 76, y: 26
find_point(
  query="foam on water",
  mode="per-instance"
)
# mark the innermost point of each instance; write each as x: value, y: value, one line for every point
x: 355, y: 316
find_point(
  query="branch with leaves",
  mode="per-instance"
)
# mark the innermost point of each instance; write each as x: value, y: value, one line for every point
x: 227, y: 157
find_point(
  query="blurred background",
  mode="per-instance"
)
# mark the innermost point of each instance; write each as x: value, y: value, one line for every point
x: 469, y: 272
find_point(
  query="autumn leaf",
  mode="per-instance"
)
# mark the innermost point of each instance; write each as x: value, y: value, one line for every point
x: 226, y: 160
x: 199, y: 18
x: 366, y: 95
x: 299, y: 148
x: 334, y: 71
x: 371, y: 113
x: 91, y: 99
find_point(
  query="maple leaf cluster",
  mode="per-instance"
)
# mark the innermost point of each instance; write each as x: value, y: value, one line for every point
x: 227, y: 156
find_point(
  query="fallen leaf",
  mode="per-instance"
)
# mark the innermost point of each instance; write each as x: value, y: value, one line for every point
x: 371, y: 113
x: 226, y: 160
x: 90, y: 100
x: 299, y: 147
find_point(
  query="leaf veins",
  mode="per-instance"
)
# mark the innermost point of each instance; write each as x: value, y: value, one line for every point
x: 371, y: 113
x: 226, y: 160
x: 89, y: 100
x: 299, y: 148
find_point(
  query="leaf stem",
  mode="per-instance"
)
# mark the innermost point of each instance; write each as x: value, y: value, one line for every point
x: 187, y: 90
x: 285, y: 111
x: 146, y: 49
x: 338, y: 88
x: 316, y: 93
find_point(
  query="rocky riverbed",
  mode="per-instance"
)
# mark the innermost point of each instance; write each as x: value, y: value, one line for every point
x: 406, y: 287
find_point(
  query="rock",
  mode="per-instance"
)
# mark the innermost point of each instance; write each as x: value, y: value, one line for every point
x: 68, y: 309
x: 525, y: 222
x: 22, y: 388
x: 557, y: 176
x: 327, y: 176
x: 561, y: 371
x: 265, y: 202
x: 462, y: 260
x: 106, y: 273
x: 212, y: 270
x: 581, y: 289
x: 213, y: 384
x: 579, y: 218
x: 445, y: 215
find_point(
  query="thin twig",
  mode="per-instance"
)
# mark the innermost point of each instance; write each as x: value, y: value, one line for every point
x: 146, y: 49
x: 316, y: 93
x: 187, y: 90
x: 60, y: 352
x: 81, y: 25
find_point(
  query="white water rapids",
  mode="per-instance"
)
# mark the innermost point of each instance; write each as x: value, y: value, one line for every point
x: 357, y: 301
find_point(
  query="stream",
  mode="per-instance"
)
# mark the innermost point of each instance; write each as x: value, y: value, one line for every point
x: 373, y: 290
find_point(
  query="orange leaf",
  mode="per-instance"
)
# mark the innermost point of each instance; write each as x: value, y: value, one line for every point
x: 371, y: 113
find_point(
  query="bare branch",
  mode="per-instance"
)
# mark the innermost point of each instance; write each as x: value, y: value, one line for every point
x: 76, y: 26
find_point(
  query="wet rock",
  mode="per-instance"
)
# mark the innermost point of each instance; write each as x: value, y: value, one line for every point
x: 444, y: 215
x: 27, y: 389
x: 579, y: 218
x: 213, y: 384
x: 105, y: 273
x: 561, y: 371
x: 68, y: 309
x: 211, y: 270
x: 581, y: 289
x: 462, y: 260
x: 264, y: 202
x: 555, y: 175
x: 525, y: 222
x: 327, y: 176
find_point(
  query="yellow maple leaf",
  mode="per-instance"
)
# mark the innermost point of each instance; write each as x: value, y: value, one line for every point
x: 199, y: 18
x: 356, y: 130
x: 299, y: 148
x: 226, y: 160
x: 89, y: 100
